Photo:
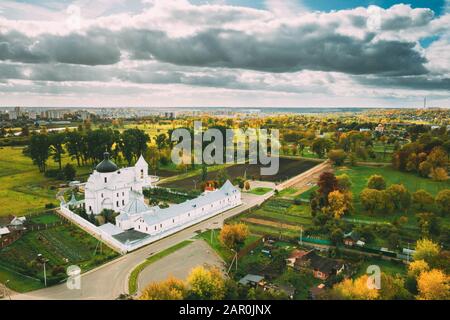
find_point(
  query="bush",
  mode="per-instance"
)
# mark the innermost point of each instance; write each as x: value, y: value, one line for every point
x: 54, y: 174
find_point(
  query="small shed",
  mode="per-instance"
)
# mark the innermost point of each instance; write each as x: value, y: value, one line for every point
x: 253, y: 280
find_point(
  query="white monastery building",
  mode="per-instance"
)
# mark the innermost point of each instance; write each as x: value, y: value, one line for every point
x: 120, y: 190
x: 154, y: 220
x: 109, y: 187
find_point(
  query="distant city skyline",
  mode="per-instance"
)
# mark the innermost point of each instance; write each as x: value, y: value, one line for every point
x: 231, y: 53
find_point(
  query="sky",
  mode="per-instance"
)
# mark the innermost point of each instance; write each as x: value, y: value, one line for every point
x: 227, y: 53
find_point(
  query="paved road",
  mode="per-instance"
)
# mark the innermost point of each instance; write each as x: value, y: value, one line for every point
x: 180, y: 263
x: 110, y: 280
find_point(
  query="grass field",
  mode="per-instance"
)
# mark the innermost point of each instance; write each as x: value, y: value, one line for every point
x: 388, y: 267
x: 260, y: 191
x: 361, y: 174
x: 62, y: 245
x: 44, y: 218
x: 225, y: 253
x: 278, y: 217
x: 23, y: 189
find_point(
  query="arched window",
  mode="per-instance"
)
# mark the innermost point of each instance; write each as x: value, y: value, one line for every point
x: 106, y: 180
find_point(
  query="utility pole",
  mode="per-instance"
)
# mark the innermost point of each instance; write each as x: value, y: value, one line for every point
x: 301, y: 235
x: 44, y: 261
x: 407, y: 254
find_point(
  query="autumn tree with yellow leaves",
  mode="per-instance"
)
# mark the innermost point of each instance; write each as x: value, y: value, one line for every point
x: 232, y: 235
x: 433, y: 285
x: 206, y: 284
x: 170, y: 289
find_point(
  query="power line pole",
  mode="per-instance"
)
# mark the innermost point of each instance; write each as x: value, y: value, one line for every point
x: 301, y: 235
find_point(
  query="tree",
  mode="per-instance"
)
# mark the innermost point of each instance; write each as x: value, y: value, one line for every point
x: 204, y: 172
x: 69, y: 172
x: 425, y: 168
x: 233, y: 235
x: 376, y: 182
x: 433, y: 285
x: 170, y: 289
x: 428, y: 224
x: 222, y: 176
x: 327, y: 183
x: 400, y: 196
x: 443, y: 202
x: 134, y: 143
x: 337, y: 204
x: 206, y: 284
x: 344, y: 182
x: 161, y: 141
x: 422, y: 199
x: 39, y: 150
x: 75, y: 144
x: 337, y: 235
x: 320, y: 146
x: 439, y: 174
x: 57, y: 147
x: 355, y: 289
x: 393, y: 288
x: 426, y: 250
x: 338, y: 156
x: 438, y: 158
x: 25, y: 132
x: 416, y: 267
x: 371, y: 200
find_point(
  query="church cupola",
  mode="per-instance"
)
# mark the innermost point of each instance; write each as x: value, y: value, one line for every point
x: 106, y: 165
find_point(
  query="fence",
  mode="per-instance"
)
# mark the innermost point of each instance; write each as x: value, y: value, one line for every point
x: 44, y: 226
x: 92, y: 229
x: 123, y: 248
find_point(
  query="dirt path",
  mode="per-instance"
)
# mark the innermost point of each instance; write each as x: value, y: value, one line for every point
x: 272, y: 224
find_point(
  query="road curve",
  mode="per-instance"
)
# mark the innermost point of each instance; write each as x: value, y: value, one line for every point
x: 110, y: 280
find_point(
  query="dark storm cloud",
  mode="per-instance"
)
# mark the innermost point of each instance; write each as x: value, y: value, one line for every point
x: 286, y: 50
x: 94, y: 48
x: 416, y: 83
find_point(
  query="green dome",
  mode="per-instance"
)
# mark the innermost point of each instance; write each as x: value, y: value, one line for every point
x: 106, y: 165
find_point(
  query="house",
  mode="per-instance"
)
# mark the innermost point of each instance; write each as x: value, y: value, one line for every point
x: 350, y: 238
x: 295, y: 254
x: 4, y: 231
x: 252, y: 280
x: 17, y: 224
x: 321, y: 267
x: 379, y: 128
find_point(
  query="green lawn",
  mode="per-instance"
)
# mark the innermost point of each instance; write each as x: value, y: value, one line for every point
x: 260, y: 191
x: 288, y: 192
x: 389, y: 267
x: 23, y: 189
x: 62, y: 245
x: 361, y: 174
x: 44, y: 218
x: 133, y: 280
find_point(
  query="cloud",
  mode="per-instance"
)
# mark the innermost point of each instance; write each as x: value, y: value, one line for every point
x: 93, y: 48
x: 284, y: 49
